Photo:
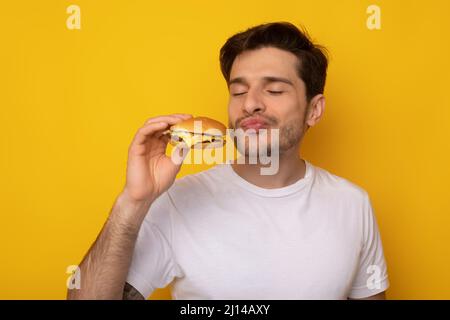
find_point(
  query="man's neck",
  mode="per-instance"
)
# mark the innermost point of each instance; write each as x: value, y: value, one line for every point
x: 291, y: 169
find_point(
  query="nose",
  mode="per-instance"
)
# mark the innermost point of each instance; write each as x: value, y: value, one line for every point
x: 253, y: 103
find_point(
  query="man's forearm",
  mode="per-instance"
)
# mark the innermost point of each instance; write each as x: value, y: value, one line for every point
x: 104, y: 269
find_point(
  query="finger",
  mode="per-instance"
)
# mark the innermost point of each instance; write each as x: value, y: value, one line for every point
x: 150, y: 129
x: 165, y: 133
x: 164, y: 138
x: 172, y: 118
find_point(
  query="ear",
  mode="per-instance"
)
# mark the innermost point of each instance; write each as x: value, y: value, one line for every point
x: 316, y: 108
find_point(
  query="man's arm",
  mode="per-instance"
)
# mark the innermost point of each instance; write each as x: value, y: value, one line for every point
x: 104, y: 269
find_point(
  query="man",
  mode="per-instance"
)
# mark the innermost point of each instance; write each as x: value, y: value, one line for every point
x: 230, y: 232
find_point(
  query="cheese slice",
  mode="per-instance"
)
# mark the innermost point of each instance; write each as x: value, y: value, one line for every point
x: 192, y: 139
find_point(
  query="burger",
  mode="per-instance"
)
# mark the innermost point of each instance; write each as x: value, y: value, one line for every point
x: 198, y: 132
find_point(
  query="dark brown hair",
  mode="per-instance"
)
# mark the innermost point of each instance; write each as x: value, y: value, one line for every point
x: 313, y: 61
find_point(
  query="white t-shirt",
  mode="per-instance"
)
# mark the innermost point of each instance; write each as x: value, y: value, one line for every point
x: 217, y: 236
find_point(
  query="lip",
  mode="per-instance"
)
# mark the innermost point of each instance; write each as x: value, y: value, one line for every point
x: 253, y: 123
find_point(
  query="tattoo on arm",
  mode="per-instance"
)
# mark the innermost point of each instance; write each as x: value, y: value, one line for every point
x: 130, y: 293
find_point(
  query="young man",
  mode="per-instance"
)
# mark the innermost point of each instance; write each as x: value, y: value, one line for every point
x: 230, y: 232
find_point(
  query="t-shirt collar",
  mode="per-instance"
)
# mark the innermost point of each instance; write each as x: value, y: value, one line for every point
x: 276, y: 192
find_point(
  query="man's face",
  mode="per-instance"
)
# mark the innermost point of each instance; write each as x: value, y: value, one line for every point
x: 267, y: 93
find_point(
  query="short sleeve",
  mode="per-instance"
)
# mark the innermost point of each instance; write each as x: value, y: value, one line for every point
x: 371, y: 277
x: 153, y: 264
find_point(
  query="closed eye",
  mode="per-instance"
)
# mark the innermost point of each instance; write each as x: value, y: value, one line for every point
x: 275, y: 92
x: 270, y: 91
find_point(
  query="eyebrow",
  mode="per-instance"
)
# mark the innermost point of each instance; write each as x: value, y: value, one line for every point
x: 267, y: 79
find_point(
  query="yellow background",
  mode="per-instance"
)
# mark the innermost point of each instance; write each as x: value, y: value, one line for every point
x: 71, y: 101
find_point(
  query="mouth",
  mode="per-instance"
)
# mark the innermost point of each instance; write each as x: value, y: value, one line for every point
x: 253, y: 123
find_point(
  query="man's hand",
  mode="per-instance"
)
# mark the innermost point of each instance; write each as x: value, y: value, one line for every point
x: 150, y: 171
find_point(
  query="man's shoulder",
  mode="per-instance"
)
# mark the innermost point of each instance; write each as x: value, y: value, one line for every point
x: 338, y: 186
